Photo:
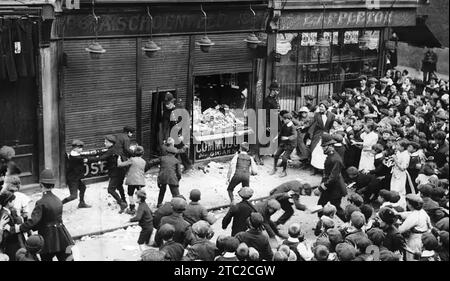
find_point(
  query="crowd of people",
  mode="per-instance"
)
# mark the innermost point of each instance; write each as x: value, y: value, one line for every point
x: 383, y: 146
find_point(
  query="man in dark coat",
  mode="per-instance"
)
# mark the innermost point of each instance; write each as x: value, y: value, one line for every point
x: 333, y: 186
x: 394, y: 240
x: 367, y: 185
x: 116, y: 174
x: 46, y: 219
x: 255, y: 238
x: 286, y: 192
x: 429, y: 63
x: 183, y: 231
x: 267, y: 208
x: 169, y: 174
x: 123, y: 143
x: 239, y: 212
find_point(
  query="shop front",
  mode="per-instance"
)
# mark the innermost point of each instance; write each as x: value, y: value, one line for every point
x: 22, y: 112
x: 307, y: 66
x: 127, y: 86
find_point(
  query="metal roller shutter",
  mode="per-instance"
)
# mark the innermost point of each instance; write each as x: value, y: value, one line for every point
x: 167, y: 70
x: 229, y: 55
x: 100, y: 95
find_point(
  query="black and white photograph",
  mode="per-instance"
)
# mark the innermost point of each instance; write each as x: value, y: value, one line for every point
x: 238, y: 133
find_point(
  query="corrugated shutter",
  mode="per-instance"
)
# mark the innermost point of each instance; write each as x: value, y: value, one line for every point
x: 100, y: 95
x: 167, y: 70
x: 229, y: 55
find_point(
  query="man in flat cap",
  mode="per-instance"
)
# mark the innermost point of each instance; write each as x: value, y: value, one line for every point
x: 239, y: 212
x: 267, y: 208
x: 74, y: 173
x: 116, y: 174
x: 289, y: 192
x: 254, y: 238
x: 202, y: 248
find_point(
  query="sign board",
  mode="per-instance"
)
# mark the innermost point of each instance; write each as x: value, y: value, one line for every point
x: 81, y: 23
x: 301, y: 20
x: 215, y: 148
x: 94, y: 168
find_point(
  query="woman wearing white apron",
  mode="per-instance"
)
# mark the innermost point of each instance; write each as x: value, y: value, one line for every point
x: 322, y: 123
x: 399, y: 176
x: 370, y: 138
x: 416, y: 222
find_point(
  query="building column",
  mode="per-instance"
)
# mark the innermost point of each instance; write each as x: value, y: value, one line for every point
x: 50, y: 108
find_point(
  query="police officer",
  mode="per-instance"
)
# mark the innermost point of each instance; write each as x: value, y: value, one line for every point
x: 46, y: 219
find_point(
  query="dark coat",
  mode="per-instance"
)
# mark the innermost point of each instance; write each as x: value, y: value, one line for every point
x: 183, y: 231
x: 122, y: 146
x: 170, y: 170
x: 144, y: 216
x: 239, y: 213
x: 256, y: 239
x: 74, y: 168
x: 332, y: 179
x: 202, y: 249
x: 174, y: 251
x: 110, y: 156
x: 164, y: 210
x: 394, y: 241
x: 318, y: 127
x: 46, y: 219
x: 10, y: 241
x: 195, y: 212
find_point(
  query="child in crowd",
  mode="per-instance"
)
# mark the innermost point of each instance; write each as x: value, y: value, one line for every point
x: 145, y: 218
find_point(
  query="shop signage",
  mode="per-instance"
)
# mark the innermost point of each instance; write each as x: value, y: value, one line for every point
x: 164, y: 22
x: 346, y: 19
x: 215, y: 148
x: 94, y: 168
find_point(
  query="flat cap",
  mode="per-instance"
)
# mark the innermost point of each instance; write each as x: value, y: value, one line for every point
x: 245, y: 192
x: 201, y: 228
x: 321, y: 253
x: 357, y: 219
x: 178, y: 204
x: 230, y: 244
x: 356, y: 199
x: 387, y: 215
x: 429, y: 241
x: 153, y: 254
x: 111, y: 138
x: 414, y: 198
x: 77, y: 143
x: 256, y: 219
x: 345, y: 252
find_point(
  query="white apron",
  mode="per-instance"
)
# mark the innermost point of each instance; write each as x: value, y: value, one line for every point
x: 318, y: 157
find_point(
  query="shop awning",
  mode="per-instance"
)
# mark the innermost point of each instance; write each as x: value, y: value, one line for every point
x: 419, y: 35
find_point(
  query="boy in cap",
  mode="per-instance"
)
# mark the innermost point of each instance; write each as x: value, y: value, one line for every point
x: 255, y: 238
x: 393, y: 240
x: 169, y: 174
x: 291, y: 256
x: 202, y: 249
x: 429, y: 205
x: 239, y: 212
x: 356, y: 232
x: 295, y: 238
x: 33, y: 245
x: 287, y: 192
x: 230, y: 245
x: 430, y: 245
x: 195, y: 211
x: 287, y: 137
x: 173, y: 250
x: 135, y: 177
x: 115, y: 173
x: 74, y: 173
x: 328, y: 212
x: 365, y: 184
x: 345, y: 252
x: 242, y: 252
x: 145, y: 218
x: 183, y: 230
x: 241, y: 167
x: 267, y: 209
x: 321, y: 253
x: 123, y: 143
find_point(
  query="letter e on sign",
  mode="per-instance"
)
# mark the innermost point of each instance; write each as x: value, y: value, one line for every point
x: 72, y: 4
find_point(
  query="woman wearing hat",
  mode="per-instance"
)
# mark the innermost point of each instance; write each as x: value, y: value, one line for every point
x: 370, y: 138
x: 322, y: 123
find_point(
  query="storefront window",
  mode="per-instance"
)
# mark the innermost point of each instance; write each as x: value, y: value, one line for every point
x: 306, y: 69
x: 219, y: 107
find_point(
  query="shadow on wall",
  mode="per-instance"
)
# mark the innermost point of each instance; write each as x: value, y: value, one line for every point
x: 407, y: 52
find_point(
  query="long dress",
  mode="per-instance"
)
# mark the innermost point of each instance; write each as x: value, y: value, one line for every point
x: 367, y: 159
x: 399, y: 177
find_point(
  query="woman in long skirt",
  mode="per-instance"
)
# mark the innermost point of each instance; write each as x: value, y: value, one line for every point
x: 370, y: 138
x: 399, y: 176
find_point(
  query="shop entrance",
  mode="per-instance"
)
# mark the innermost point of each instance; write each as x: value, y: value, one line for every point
x: 160, y: 116
x: 18, y: 126
x: 217, y: 118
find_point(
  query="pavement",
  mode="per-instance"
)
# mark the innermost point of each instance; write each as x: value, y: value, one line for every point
x: 121, y: 244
